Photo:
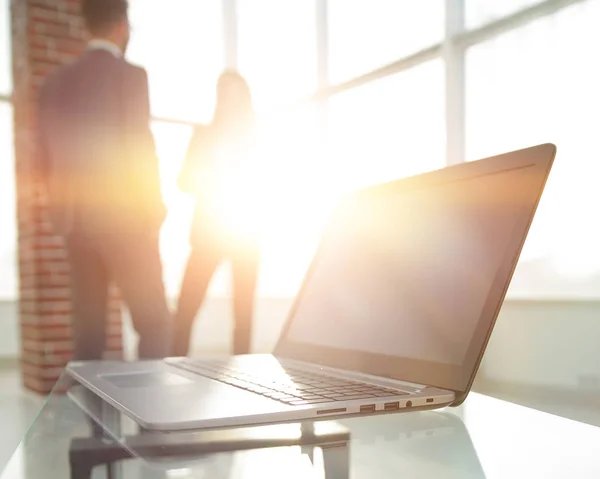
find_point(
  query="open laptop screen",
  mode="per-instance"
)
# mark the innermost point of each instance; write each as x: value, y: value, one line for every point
x: 407, y: 273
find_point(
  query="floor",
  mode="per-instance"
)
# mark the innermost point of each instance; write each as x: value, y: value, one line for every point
x: 18, y: 408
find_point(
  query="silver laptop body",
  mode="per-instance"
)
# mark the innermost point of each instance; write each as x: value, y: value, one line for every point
x: 394, y: 314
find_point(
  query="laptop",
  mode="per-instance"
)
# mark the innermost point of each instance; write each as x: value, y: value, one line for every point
x: 394, y: 314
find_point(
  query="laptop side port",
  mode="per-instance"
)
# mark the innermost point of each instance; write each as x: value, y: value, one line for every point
x: 391, y: 406
x: 338, y: 410
x: 367, y: 408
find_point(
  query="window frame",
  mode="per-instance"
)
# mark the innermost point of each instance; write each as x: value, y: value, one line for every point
x: 452, y: 50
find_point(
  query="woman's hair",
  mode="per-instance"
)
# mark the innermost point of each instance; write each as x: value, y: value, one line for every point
x: 240, y: 114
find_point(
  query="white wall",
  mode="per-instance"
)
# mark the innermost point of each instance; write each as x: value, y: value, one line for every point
x: 551, y: 343
x: 554, y: 344
x: 9, y: 332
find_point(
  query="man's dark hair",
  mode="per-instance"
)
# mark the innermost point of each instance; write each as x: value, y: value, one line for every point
x: 101, y: 16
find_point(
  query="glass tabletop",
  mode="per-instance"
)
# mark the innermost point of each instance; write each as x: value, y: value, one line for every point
x: 78, y: 436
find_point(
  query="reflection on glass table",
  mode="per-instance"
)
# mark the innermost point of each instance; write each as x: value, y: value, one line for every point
x: 79, y: 436
x: 483, y: 438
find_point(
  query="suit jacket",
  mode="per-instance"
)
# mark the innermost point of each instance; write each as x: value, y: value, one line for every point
x: 96, y: 153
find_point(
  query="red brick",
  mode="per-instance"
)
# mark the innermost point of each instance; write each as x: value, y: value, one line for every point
x: 45, y: 34
x: 57, y: 266
x: 42, y: 70
x: 31, y: 332
x: 45, y: 374
x: 114, y: 344
x: 28, y: 294
x: 26, y: 268
x: 52, y: 41
x: 47, y: 14
x: 115, y: 320
x: 114, y: 355
x: 55, y: 293
x: 48, y: 347
x: 41, y: 360
x: 54, y: 280
x: 42, y: 333
x: 27, y: 282
x: 55, y: 307
x: 38, y: 385
x: 72, y: 6
x: 47, y: 30
x: 48, y: 242
x: 54, y: 319
x: 114, y: 329
x: 52, y: 254
x: 28, y: 306
x: 28, y: 318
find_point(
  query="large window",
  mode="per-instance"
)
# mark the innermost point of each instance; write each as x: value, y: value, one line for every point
x: 8, y: 218
x: 180, y: 43
x: 536, y: 84
x: 5, y: 49
x: 529, y: 78
x: 367, y: 34
x: 182, y: 49
x: 277, y: 54
x: 479, y: 12
x: 295, y: 175
x: 277, y: 49
x: 388, y: 129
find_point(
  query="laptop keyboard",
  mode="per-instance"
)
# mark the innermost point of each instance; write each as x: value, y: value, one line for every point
x: 296, y: 387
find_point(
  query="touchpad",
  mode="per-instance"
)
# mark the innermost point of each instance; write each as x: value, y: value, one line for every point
x: 144, y: 379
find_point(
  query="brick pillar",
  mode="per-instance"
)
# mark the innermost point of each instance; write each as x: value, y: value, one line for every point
x: 45, y: 35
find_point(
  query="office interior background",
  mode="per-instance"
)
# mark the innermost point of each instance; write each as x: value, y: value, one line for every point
x: 355, y: 92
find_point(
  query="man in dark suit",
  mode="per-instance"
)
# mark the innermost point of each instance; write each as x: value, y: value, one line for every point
x: 98, y: 164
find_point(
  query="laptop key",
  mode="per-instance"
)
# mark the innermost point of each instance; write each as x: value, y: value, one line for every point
x: 259, y: 390
x: 290, y: 390
x: 288, y: 399
x: 315, y: 388
x: 302, y: 387
x: 396, y: 392
x: 305, y: 402
x: 318, y: 400
x: 337, y: 397
x: 276, y: 395
x: 355, y: 396
x: 311, y: 396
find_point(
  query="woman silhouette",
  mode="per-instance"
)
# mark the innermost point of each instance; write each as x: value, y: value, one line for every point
x: 214, y: 171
